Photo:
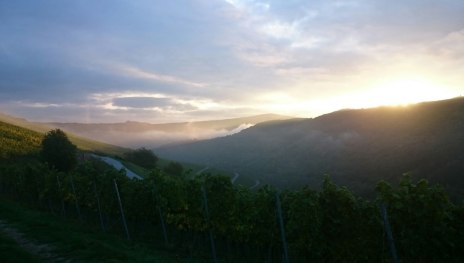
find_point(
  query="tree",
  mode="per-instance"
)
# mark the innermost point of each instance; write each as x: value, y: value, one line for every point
x: 58, y: 151
x: 174, y: 168
x: 142, y: 157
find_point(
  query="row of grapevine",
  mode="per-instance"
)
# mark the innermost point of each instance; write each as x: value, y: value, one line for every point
x: 16, y: 141
x: 210, y: 218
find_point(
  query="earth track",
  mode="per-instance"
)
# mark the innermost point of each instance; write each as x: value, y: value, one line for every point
x: 43, y: 250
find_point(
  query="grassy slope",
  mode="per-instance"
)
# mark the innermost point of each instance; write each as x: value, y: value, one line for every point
x: 19, y: 137
x: 193, y: 168
x: 16, y: 141
x: 70, y: 238
x: 73, y: 240
x: 81, y: 143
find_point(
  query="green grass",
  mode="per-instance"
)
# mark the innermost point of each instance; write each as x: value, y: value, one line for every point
x: 11, y: 252
x: 135, y: 168
x: 74, y: 241
x: 95, y: 146
x: 15, y: 141
x: 162, y: 163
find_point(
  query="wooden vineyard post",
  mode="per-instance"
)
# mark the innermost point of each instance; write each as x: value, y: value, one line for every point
x: 213, y: 246
x: 39, y: 200
x: 282, y: 228
x: 388, y: 231
x: 98, y: 206
x: 163, y: 225
x: 78, y: 210
x: 63, y: 209
x: 122, y: 211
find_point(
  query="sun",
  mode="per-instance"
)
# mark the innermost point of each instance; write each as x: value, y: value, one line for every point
x: 392, y: 92
x: 401, y: 92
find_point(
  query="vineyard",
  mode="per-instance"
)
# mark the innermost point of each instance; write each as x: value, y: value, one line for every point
x: 207, y: 217
x: 16, y: 141
x: 210, y: 218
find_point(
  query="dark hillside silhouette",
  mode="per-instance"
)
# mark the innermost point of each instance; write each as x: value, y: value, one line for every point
x: 355, y: 147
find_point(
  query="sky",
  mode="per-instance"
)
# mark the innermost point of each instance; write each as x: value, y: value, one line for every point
x: 168, y: 61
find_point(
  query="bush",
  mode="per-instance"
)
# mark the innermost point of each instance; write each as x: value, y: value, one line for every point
x: 142, y: 157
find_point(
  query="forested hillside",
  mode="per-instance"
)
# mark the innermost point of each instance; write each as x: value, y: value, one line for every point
x: 356, y: 148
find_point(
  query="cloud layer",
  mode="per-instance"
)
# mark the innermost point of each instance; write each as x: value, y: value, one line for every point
x: 159, y: 61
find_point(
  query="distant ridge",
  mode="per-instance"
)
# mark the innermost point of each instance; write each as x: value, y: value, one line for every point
x: 80, y: 142
x: 135, y: 126
x: 138, y: 134
x: 356, y: 148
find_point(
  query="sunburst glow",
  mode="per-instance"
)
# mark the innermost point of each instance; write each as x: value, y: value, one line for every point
x: 399, y: 92
x: 406, y: 91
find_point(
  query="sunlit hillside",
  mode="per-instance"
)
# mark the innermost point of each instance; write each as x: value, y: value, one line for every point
x: 81, y: 143
x: 17, y: 141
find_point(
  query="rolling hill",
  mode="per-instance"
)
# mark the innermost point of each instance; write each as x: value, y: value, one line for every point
x: 39, y: 129
x: 357, y: 148
x: 19, y: 137
x: 16, y: 141
x: 140, y: 134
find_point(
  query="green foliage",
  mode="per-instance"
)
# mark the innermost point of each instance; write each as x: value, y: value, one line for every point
x: 331, y: 225
x: 303, y: 217
x: 142, y: 157
x: 174, y: 168
x: 72, y: 242
x: 423, y: 221
x: 58, y: 151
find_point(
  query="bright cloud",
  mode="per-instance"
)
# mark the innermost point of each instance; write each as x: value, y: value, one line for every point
x: 161, y: 61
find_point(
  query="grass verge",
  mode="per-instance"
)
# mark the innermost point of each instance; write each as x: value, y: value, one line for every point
x: 72, y: 240
x: 11, y: 252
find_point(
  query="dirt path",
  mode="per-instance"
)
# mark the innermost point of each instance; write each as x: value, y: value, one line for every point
x: 44, y: 251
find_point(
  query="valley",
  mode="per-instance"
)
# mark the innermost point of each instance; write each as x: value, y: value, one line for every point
x: 230, y: 131
x: 134, y: 134
x: 356, y: 148
x: 184, y: 211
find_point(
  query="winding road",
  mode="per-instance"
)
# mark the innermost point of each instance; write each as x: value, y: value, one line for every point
x: 257, y: 183
x: 236, y: 175
x: 118, y: 165
x: 202, y: 170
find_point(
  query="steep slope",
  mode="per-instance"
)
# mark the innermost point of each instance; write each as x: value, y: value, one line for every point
x: 17, y: 141
x: 138, y: 134
x: 355, y: 147
x: 81, y: 143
